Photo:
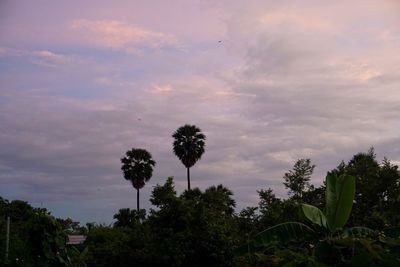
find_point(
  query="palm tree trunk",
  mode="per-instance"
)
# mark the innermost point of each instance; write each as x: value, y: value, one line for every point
x: 137, y: 199
x: 188, y: 178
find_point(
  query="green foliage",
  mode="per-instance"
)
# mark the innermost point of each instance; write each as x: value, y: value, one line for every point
x: 339, y: 199
x: 283, y: 232
x: 377, y: 197
x: 247, y: 222
x: 297, y: 180
x: 315, y: 215
x: 129, y: 218
x: 77, y: 257
x: 36, y: 237
x: 358, y: 232
x: 184, y: 230
x: 163, y: 195
x: 334, y: 246
x: 119, y: 246
x: 268, y: 200
x: 194, y: 229
x: 218, y: 199
x: 200, y: 228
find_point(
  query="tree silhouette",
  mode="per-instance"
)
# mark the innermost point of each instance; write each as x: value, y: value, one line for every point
x: 297, y: 179
x: 124, y: 218
x: 137, y: 167
x: 128, y: 217
x: 189, y: 146
x: 219, y: 199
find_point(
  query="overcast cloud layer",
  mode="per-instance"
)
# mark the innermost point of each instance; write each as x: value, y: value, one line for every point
x: 268, y: 82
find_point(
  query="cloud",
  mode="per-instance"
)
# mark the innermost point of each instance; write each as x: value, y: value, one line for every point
x: 314, y: 96
x: 162, y: 89
x: 50, y: 59
x: 117, y: 35
x: 10, y: 52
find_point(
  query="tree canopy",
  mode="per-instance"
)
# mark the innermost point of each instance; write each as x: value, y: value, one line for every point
x: 188, y: 146
x: 137, y: 166
x: 297, y: 180
x: 313, y: 225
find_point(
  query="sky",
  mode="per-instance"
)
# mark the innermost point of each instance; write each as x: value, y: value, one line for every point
x: 268, y: 82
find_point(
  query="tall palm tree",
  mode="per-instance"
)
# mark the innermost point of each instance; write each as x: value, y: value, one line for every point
x: 137, y: 167
x: 189, y: 146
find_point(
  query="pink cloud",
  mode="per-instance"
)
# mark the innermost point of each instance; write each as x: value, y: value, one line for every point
x: 161, y: 89
x: 10, y: 52
x: 121, y: 36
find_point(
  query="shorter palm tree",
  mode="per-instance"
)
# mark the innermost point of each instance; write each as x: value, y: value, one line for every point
x: 189, y: 146
x: 137, y: 167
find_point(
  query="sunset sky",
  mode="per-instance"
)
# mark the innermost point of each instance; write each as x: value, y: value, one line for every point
x: 268, y: 82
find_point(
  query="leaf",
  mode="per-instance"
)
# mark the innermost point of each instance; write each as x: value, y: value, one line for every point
x: 282, y: 233
x: 339, y: 199
x: 83, y: 253
x: 279, y: 233
x: 314, y: 214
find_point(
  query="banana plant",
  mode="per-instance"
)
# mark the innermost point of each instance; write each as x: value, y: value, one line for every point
x: 340, y: 191
x: 334, y: 239
x: 279, y: 233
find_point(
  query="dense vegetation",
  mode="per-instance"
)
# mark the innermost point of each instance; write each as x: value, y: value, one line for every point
x: 201, y: 228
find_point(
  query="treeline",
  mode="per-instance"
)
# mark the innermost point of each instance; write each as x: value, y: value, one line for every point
x: 201, y: 228
x: 35, y: 239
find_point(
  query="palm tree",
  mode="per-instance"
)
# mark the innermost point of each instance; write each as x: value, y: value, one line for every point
x: 189, y: 146
x: 137, y: 167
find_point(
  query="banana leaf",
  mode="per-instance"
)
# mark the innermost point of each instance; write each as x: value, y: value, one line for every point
x: 339, y: 199
x: 282, y: 233
x: 279, y: 233
x: 314, y: 214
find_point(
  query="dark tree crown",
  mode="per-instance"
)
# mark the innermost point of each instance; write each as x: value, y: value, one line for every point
x: 137, y: 166
x: 297, y: 180
x: 189, y: 144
